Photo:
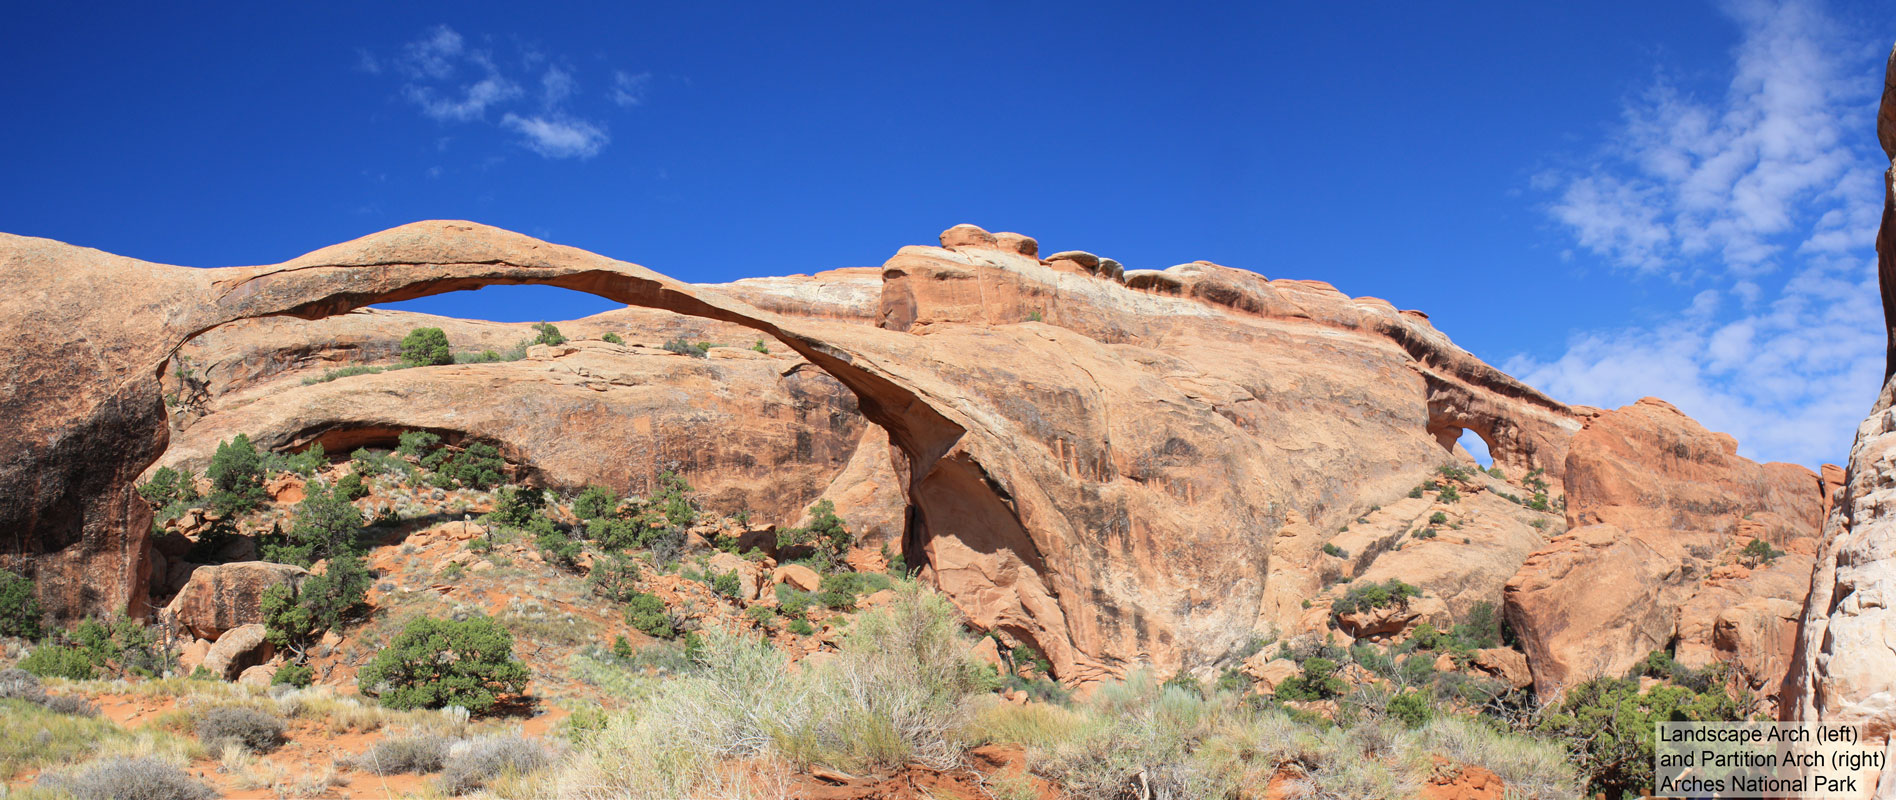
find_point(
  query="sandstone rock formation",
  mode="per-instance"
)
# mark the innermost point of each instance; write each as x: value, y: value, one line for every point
x: 763, y: 432
x: 1095, y: 468
x: 238, y: 649
x: 1656, y: 504
x: 1844, y: 668
x: 225, y: 596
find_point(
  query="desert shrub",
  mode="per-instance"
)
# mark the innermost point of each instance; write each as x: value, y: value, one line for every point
x: 18, y: 684
x: 253, y: 730
x: 515, y: 506
x: 434, y: 663
x: 727, y: 584
x: 1411, y: 708
x: 344, y: 372
x: 413, y: 753
x: 479, y: 761
x: 492, y: 356
x: 477, y: 466
x: 426, y: 347
x: 1438, y: 518
x: 558, y: 548
x: 647, y: 613
x: 54, y: 661
x: 365, y: 463
x: 418, y: 444
x: 130, y: 644
x: 825, y: 536
x: 684, y: 347
x: 20, y: 613
x: 325, y: 525
x: 761, y: 347
x: 292, y: 618
x: 1370, y: 596
x: 793, y: 602
x: 350, y: 487
x: 761, y: 615
x: 615, y: 534
x: 1317, y: 681
x: 671, y: 498
x: 69, y: 705
x: 1449, y: 494
x: 612, y: 337
x: 298, y: 675
x: 1140, y: 728
x: 1608, y: 727
x: 169, y: 487
x: 595, y: 502
x: 614, y: 576
x: 305, y: 463
x: 1758, y: 552
x: 1530, y: 767
x: 546, y: 333
x: 800, y: 627
x: 236, y: 474
x: 123, y: 778
x: 1332, y: 550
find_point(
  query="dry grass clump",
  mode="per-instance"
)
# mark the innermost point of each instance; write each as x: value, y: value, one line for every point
x: 127, y: 779
x: 896, y: 693
x: 474, y: 763
x: 36, y: 737
x: 253, y: 730
x: 1141, y: 739
x: 18, y: 684
x: 411, y: 753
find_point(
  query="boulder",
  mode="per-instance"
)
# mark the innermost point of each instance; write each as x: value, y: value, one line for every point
x: 192, y: 655
x: 965, y: 235
x: 258, y: 676
x: 1270, y: 672
x: 225, y: 596
x: 798, y: 576
x: 750, y: 577
x: 1018, y: 243
x: 1508, y: 664
x: 986, y: 651
x: 239, y: 648
x: 1086, y: 261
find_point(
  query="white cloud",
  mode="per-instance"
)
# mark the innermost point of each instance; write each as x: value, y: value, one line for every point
x: 433, y: 56
x: 1770, y: 193
x: 555, y: 86
x: 450, y: 79
x: 558, y: 138
x: 469, y: 103
x: 628, y: 89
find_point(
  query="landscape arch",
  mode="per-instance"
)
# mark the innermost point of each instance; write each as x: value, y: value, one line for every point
x: 89, y: 426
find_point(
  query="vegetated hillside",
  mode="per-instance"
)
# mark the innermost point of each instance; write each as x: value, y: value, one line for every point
x: 976, y: 524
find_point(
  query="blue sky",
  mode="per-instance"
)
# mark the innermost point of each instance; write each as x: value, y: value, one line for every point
x: 1609, y: 200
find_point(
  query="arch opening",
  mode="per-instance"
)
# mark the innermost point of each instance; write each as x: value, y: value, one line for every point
x: 1477, y: 447
x: 507, y: 303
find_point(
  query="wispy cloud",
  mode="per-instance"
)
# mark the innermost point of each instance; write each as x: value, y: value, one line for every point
x: 1769, y: 196
x: 450, y: 80
x: 554, y: 137
x: 628, y: 90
